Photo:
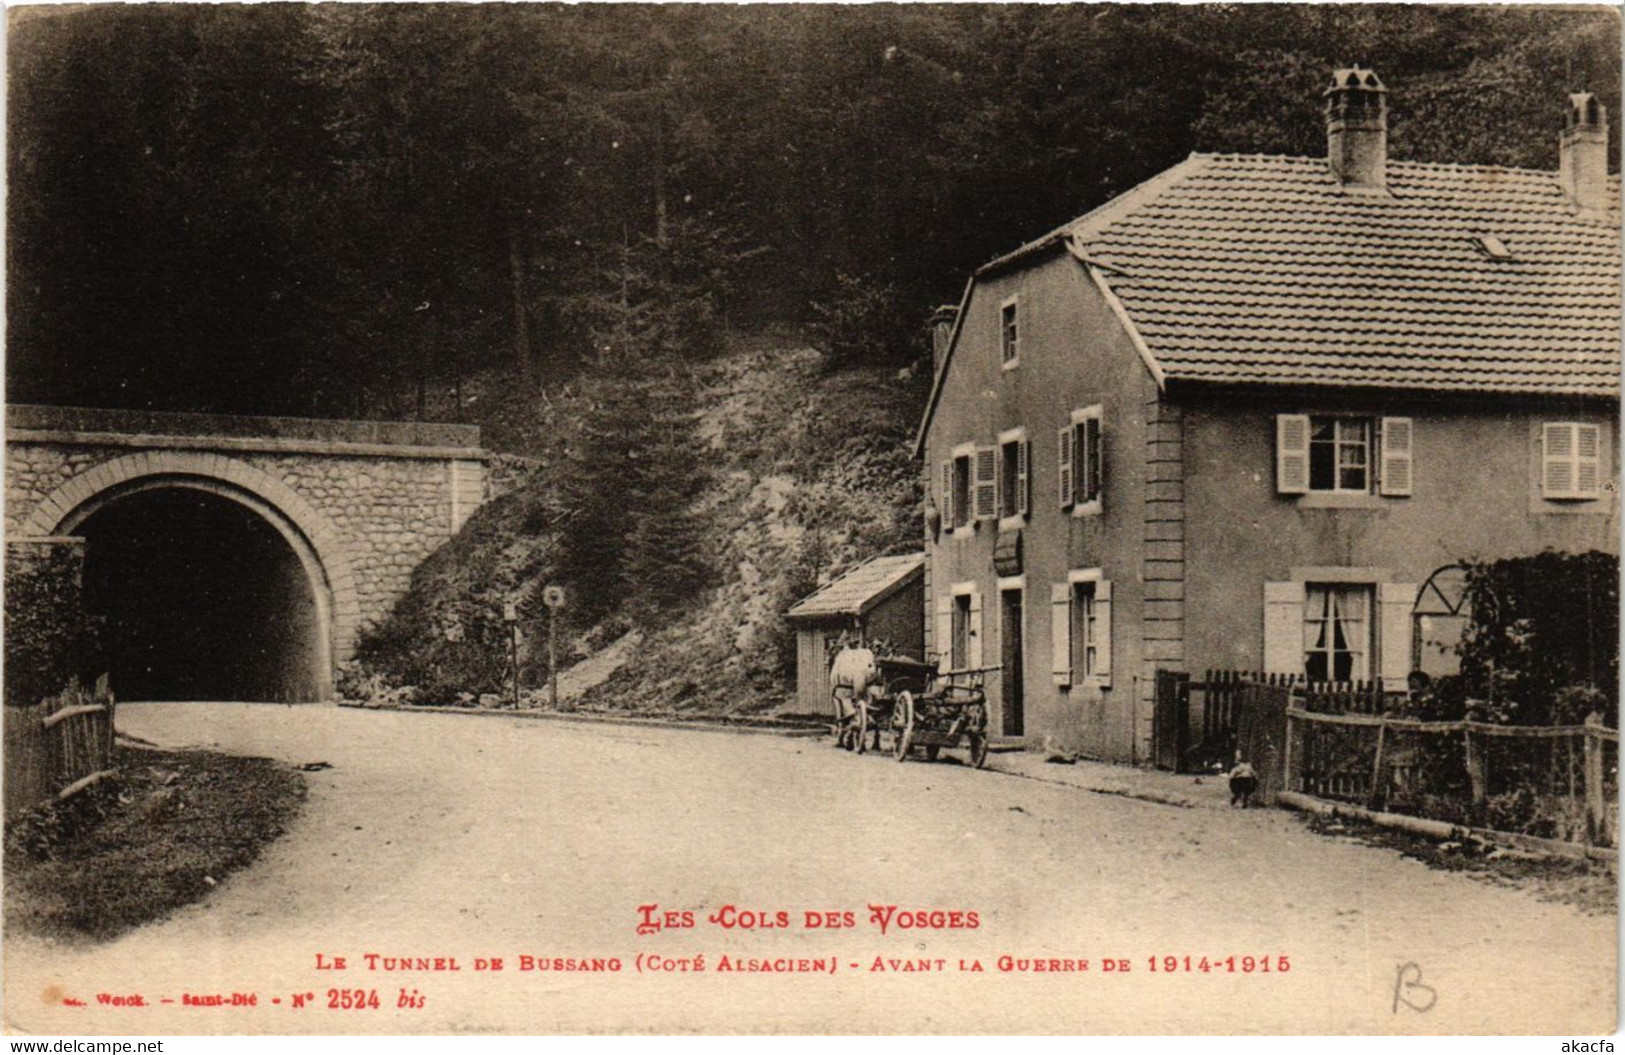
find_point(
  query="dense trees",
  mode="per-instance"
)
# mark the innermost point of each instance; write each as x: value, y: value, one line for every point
x: 294, y: 208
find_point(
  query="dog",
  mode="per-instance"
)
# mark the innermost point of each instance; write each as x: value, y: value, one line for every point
x: 1243, y: 784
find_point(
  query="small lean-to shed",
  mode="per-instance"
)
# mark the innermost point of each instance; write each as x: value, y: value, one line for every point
x: 881, y: 601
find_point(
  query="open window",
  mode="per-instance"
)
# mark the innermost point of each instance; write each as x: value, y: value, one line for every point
x: 1081, y: 630
x: 1342, y: 454
x: 1082, y: 461
x: 1010, y: 333
x: 1015, y: 483
x: 959, y: 627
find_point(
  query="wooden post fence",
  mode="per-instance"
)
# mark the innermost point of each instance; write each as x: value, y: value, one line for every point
x: 59, y: 747
x: 1324, y: 758
x: 1596, y: 800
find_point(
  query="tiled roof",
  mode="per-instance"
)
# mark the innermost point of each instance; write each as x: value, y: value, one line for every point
x: 859, y: 589
x: 1264, y: 270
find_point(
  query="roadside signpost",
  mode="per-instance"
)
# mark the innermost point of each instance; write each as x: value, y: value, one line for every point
x: 553, y: 597
x: 510, y: 615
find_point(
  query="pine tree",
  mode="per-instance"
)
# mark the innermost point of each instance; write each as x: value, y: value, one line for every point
x: 634, y: 546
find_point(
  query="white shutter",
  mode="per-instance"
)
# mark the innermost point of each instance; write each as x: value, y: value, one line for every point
x: 1397, y: 436
x: 986, y: 506
x: 1395, y: 602
x: 1103, y: 633
x: 998, y: 481
x: 1283, y: 627
x: 1024, y: 457
x: 973, y: 632
x: 945, y: 632
x: 1292, y: 454
x: 1557, y: 448
x: 1587, y: 460
x: 1060, y: 632
x: 1064, y: 461
x: 948, y: 495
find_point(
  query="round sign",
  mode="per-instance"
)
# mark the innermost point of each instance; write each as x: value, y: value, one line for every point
x: 553, y: 596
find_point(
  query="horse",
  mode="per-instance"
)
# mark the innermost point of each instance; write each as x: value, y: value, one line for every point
x: 853, y: 674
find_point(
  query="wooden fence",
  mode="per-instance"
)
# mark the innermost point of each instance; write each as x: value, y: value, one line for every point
x: 59, y: 747
x: 1344, y: 741
x: 1195, y: 723
x: 1554, y: 782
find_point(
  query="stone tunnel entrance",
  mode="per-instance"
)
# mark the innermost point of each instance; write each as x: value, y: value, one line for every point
x: 204, y: 599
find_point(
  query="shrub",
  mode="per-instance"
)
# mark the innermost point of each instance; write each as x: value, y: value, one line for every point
x: 446, y: 634
x: 1541, y: 628
x: 50, y: 637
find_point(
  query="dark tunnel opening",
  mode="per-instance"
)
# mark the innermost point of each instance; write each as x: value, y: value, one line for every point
x: 202, y: 599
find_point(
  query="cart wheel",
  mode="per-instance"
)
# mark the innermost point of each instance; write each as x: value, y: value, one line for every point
x: 931, y: 752
x: 978, y: 750
x: 905, y: 735
x: 860, y: 729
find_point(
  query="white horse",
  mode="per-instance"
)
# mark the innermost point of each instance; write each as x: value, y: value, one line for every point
x: 853, y: 674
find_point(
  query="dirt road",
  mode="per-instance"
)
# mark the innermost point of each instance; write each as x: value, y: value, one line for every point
x: 463, y: 837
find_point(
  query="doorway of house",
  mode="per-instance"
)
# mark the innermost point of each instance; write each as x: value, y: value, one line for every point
x: 1011, y: 646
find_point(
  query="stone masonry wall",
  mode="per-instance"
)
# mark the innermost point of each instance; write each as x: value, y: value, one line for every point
x: 385, y: 513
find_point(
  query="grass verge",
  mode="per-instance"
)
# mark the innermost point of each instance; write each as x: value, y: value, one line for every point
x: 162, y: 835
x: 1587, y: 885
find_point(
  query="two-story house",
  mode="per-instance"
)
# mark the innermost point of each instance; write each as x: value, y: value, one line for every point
x: 1234, y: 417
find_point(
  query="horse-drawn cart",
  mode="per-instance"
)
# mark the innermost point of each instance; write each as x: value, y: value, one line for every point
x: 916, y: 705
x: 950, y: 710
x: 863, y: 718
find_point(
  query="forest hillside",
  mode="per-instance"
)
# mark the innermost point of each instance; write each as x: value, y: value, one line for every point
x: 803, y: 471
x: 673, y: 259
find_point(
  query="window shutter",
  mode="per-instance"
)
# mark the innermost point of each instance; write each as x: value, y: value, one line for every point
x: 1587, y: 460
x: 1292, y: 454
x: 948, y: 495
x: 1064, y: 461
x: 998, y: 481
x: 1395, y: 602
x: 973, y: 632
x: 1093, y: 462
x: 1024, y: 492
x: 1557, y: 460
x: 1103, y: 633
x: 986, y: 504
x: 945, y: 632
x: 1060, y: 632
x: 1283, y: 627
x: 1396, y: 456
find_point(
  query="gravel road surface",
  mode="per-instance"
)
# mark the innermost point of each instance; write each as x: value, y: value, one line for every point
x: 484, y: 837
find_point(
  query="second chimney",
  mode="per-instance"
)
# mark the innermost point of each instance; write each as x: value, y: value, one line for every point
x: 1582, y: 153
x: 941, y: 326
x: 1357, y: 128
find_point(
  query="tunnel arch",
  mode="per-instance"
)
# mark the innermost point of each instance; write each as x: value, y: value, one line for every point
x: 309, y: 534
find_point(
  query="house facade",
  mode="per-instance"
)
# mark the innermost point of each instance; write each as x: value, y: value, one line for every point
x: 1237, y: 417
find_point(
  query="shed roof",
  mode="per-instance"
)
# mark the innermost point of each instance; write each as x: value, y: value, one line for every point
x: 858, y: 591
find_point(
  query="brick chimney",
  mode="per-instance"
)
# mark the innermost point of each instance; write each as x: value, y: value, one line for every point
x: 1582, y: 153
x: 1357, y: 129
x: 941, y: 325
